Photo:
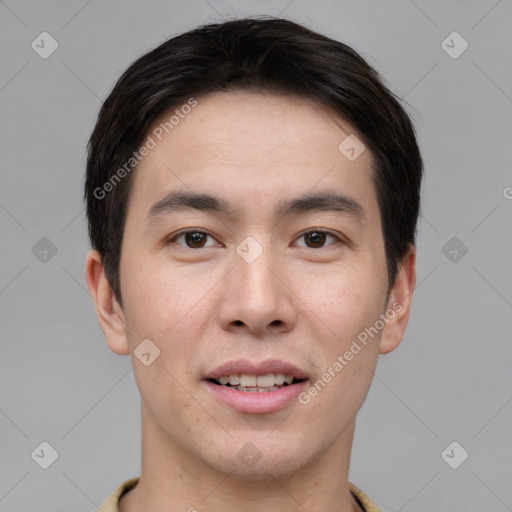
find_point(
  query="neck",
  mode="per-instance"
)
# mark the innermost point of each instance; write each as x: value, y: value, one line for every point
x: 172, y: 478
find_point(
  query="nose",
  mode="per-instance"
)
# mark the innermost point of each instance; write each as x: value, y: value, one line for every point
x: 258, y: 297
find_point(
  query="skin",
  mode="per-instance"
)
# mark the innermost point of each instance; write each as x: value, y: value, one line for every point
x: 299, y: 301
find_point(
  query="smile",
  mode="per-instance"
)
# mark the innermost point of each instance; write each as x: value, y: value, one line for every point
x: 256, y: 383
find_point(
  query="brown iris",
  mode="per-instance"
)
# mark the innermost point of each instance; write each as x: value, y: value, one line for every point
x: 196, y: 239
x: 317, y: 238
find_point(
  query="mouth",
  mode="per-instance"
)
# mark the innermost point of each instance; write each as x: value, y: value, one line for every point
x: 256, y: 383
x: 250, y: 387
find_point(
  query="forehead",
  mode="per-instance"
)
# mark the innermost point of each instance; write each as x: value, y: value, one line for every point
x: 251, y: 147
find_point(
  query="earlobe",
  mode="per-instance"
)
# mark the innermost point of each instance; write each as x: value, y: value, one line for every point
x: 399, y: 303
x: 109, y: 312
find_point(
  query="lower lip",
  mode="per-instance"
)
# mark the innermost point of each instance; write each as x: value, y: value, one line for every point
x: 256, y: 402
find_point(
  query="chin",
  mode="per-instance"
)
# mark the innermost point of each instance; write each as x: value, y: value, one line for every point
x: 258, y: 459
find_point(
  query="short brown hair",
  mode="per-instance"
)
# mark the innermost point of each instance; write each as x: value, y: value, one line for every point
x: 264, y: 54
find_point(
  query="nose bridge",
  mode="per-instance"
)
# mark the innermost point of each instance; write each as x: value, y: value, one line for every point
x: 257, y: 296
x: 256, y: 277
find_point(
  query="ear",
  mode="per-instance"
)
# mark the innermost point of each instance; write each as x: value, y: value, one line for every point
x: 399, y: 302
x: 109, y: 312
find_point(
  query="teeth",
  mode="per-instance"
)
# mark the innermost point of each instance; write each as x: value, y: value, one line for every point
x: 259, y: 383
x: 256, y: 389
x: 279, y: 379
x: 247, y: 380
x: 234, y: 380
x: 265, y: 381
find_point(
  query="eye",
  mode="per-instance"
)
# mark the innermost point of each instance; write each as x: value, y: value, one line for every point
x: 192, y: 239
x: 316, y: 239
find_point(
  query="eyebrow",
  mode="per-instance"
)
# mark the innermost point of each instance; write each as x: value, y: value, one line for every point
x: 179, y: 200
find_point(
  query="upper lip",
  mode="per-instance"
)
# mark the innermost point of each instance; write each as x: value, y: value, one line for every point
x: 256, y: 368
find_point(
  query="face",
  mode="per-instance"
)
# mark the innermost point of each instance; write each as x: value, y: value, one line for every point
x: 253, y: 246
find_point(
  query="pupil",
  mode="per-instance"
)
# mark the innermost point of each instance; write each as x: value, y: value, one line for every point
x: 317, y: 238
x: 195, y: 238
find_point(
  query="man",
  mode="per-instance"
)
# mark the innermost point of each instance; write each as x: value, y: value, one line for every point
x: 252, y: 194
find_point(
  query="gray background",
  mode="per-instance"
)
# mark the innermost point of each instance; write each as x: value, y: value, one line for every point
x: 450, y: 380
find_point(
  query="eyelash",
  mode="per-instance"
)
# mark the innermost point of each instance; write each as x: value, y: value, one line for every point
x: 309, y: 231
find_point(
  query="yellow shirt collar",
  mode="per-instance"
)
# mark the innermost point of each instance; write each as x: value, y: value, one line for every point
x: 111, y: 503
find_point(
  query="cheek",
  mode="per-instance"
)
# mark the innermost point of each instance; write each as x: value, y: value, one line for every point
x: 346, y: 364
x: 165, y: 397
x: 169, y: 307
x: 344, y: 302
x: 161, y: 308
x: 342, y: 305
x: 159, y: 299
